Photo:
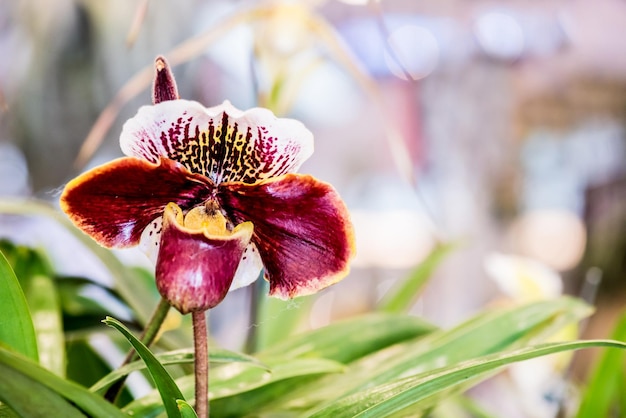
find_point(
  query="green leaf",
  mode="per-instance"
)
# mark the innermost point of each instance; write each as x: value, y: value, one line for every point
x: 165, y: 384
x: 183, y: 356
x: 232, y: 379
x: 30, y: 376
x: 473, y: 408
x: 84, y: 365
x: 16, y: 325
x: 401, y: 297
x: 26, y: 262
x: 186, y: 411
x: 482, y: 335
x: 276, y: 318
x: 126, y: 280
x: 603, y: 394
x: 347, y: 340
x: 400, y: 395
x: 29, y: 398
x: 6, y: 412
x: 34, y: 274
x: 76, y: 302
x: 44, y: 304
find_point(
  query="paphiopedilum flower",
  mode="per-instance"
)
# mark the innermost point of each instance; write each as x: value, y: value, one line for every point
x: 213, y: 194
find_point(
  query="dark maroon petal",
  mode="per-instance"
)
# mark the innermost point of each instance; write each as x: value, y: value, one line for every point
x: 114, y: 202
x: 301, y: 228
x: 164, y: 87
x: 196, y: 267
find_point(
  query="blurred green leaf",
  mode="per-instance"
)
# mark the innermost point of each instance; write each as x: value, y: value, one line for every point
x: 44, y: 305
x: 165, y: 384
x: 276, y: 318
x: 29, y: 398
x: 126, y: 280
x: 232, y: 379
x: 84, y: 366
x: 474, y: 409
x: 343, y: 341
x: 72, y: 293
x: 183, y: 356
x: 176, y: 332
x: 235, y: 378
x: 604, y: 394
x: 347, y: 340
x: 25, y: 261
x: 16, y: 325
x: 35, y: 276
x: 26, y: 375
x: 408, y: 393
x: 6, y: 412
x: 186, y: 411
x: 403, y: 294
x: 484, y: 334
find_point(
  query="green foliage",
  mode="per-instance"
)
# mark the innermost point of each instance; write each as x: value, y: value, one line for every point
x: 186, y: 411
x: 165, y: 384
x: 183, y: 356
x: 379, y: 364
x: 33, y: 391
x: 398, y: 395
x: 604, y: 395
x: 485, y: 334
x: 405, y: 293
x: 347, y: 340
x: 275, y: 318
x: 16, y: 325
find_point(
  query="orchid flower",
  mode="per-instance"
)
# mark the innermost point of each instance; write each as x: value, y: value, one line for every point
x: 211, y: 193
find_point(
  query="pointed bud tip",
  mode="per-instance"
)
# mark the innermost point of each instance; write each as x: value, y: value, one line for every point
x: 160, y: 64
x: 164, y: 86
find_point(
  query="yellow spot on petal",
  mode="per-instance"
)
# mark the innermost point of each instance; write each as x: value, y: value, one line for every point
x: 209, y: 220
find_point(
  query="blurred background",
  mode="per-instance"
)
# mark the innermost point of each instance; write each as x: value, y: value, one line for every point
x: 498, y: 127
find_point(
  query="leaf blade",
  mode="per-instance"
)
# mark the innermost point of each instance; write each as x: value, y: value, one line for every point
x: 44, y: 303
x: 183, y: 356
x: 16, y: 324
x: 29, y: 398
x: 88, y: 402
x: 347, y: 340
x: 401, y: 297
x: 387, y: 399
x: 168, y: 389
x: 484, y: 334
x: 233, y: 379
x: 603, y: 389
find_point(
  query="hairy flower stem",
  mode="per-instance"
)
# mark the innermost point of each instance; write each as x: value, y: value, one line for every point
x: 201, y: 362
x: 147, y: 337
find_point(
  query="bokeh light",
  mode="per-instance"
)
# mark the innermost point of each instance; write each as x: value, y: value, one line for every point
x: 413, y: 52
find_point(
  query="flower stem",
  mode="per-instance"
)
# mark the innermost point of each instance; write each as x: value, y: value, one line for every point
x: 201, y: 362
x: 147, y: 337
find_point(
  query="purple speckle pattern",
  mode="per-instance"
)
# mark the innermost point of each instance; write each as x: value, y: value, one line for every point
x: 222, y: 147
